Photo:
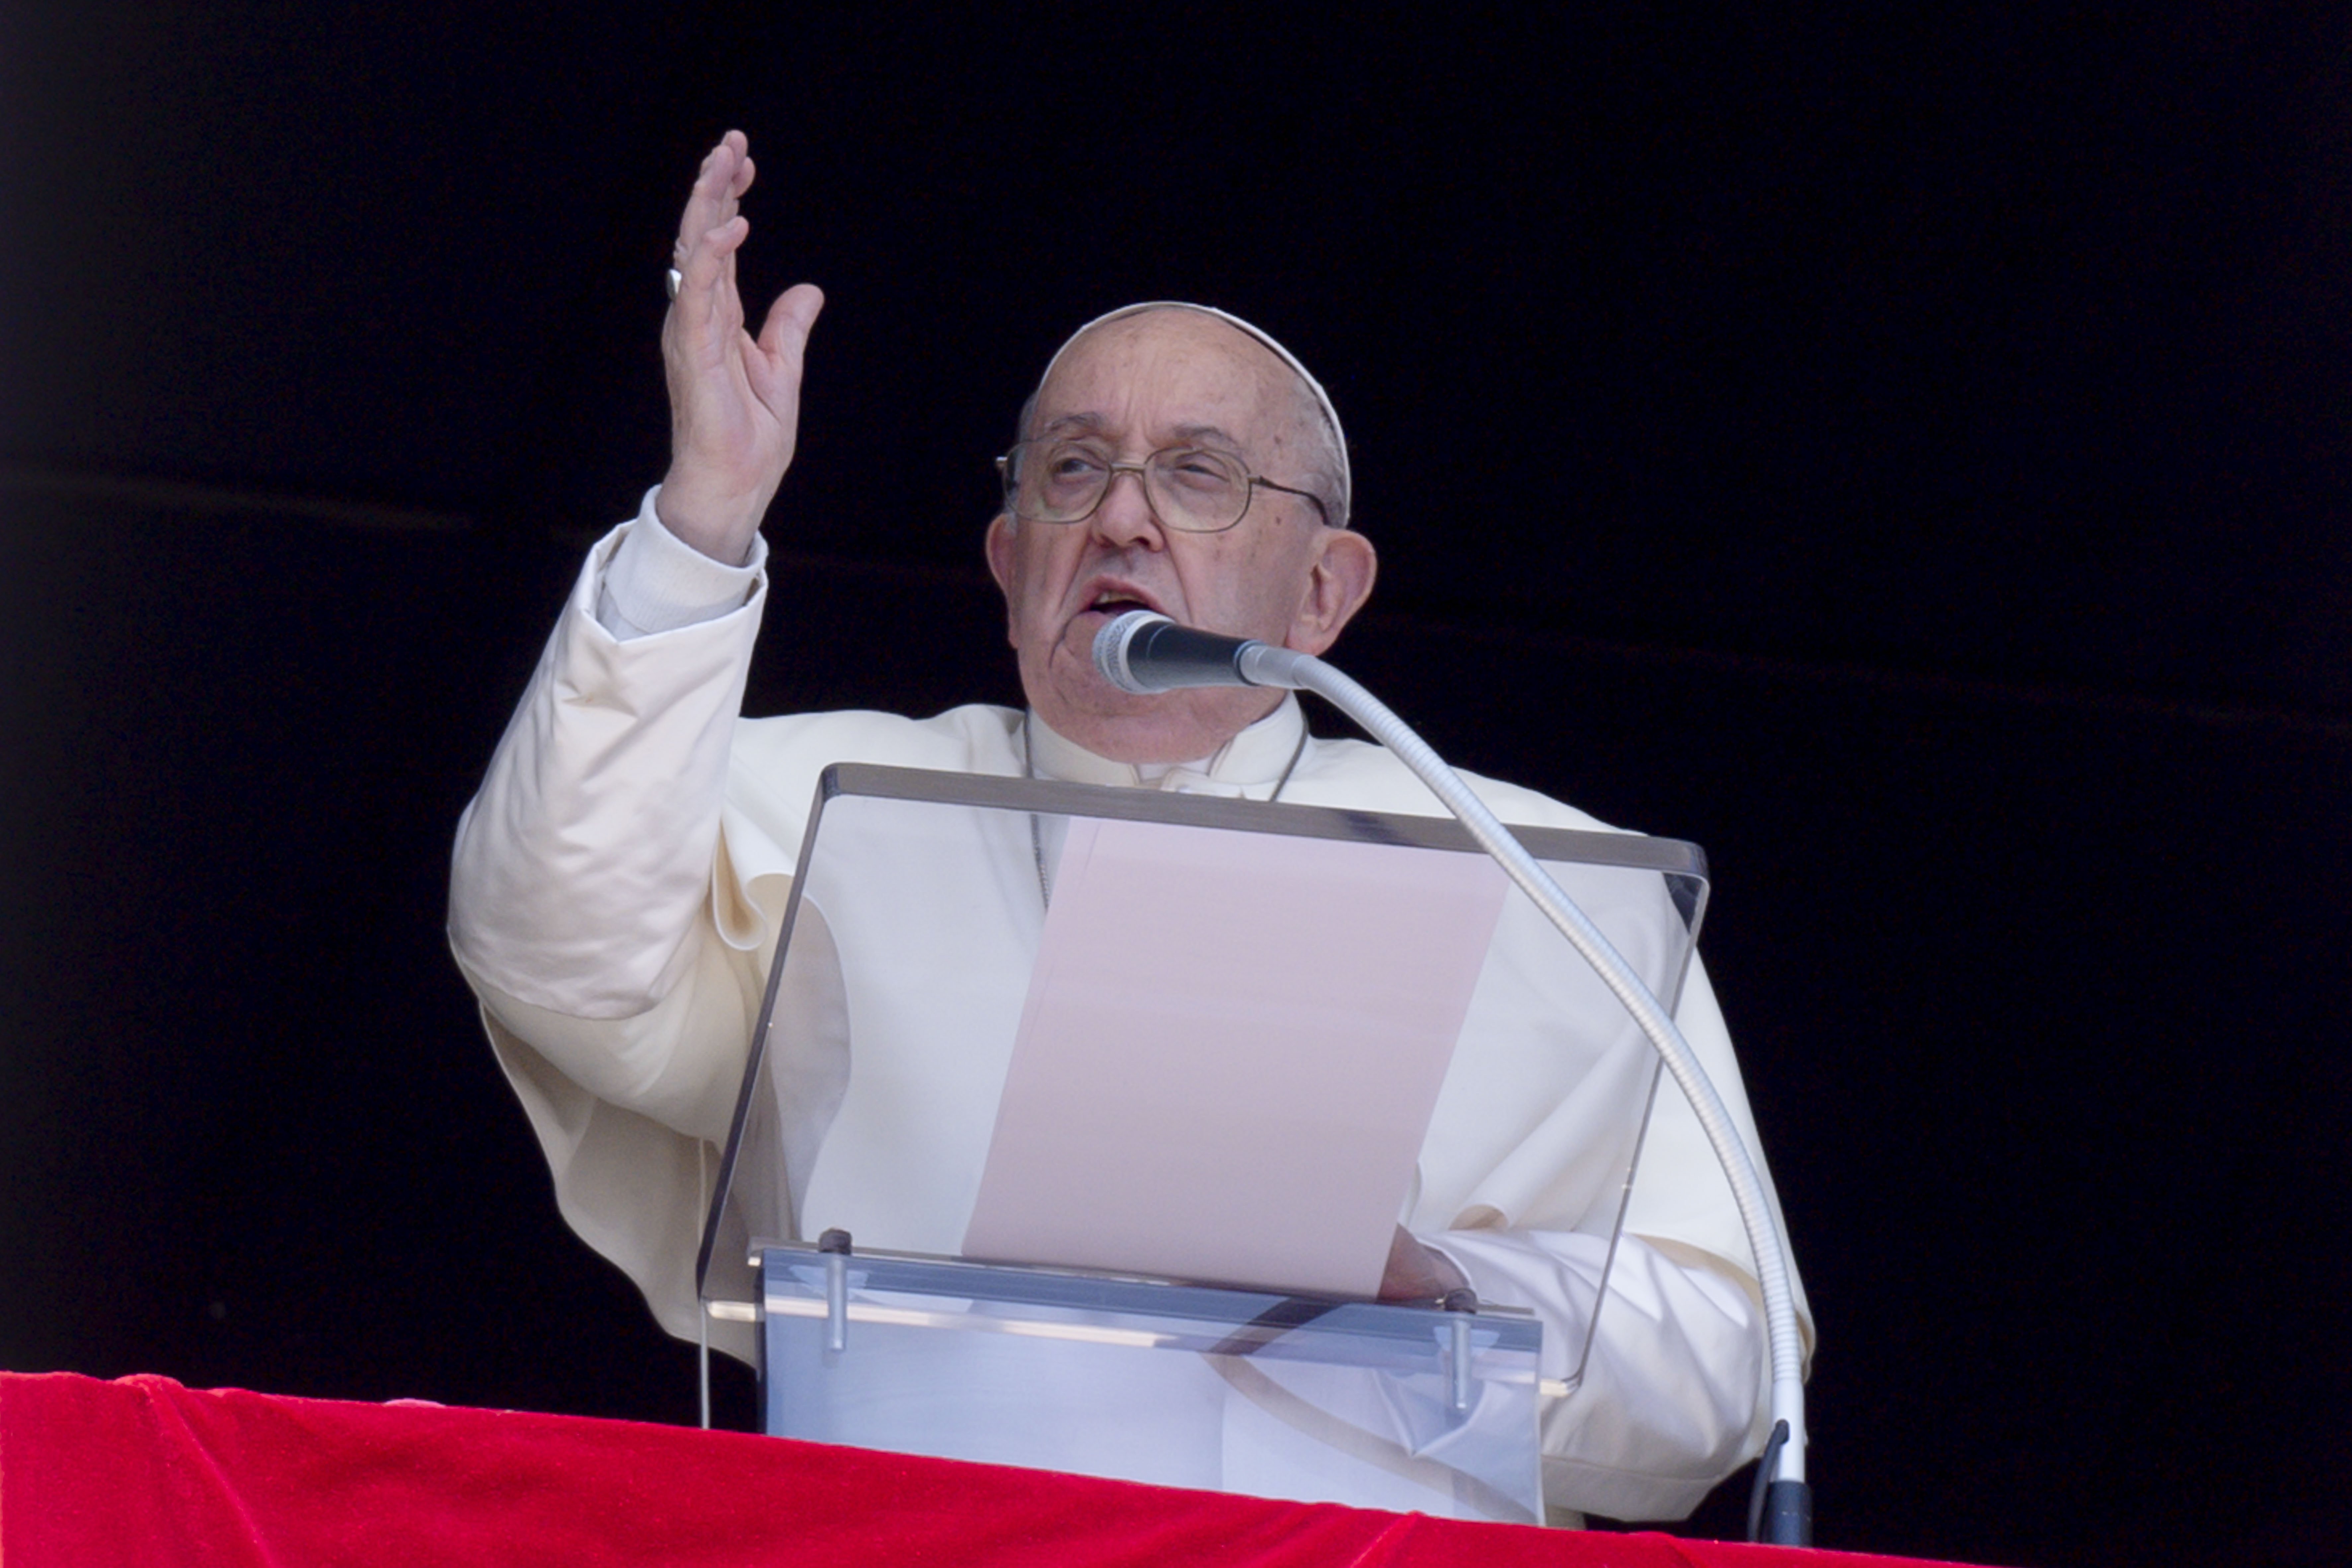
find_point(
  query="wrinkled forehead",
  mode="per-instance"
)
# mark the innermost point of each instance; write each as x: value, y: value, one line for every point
x: 1314, y: 389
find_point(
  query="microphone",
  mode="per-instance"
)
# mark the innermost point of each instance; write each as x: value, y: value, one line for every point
x: 1143, y: 652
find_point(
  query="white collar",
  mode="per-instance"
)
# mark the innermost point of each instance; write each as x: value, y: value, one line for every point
x: 1255, y: 760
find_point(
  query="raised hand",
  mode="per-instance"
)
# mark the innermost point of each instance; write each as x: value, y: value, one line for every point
x: 734, y: 400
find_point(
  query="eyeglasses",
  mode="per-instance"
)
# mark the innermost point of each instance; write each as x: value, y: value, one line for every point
x: 1190, y: 489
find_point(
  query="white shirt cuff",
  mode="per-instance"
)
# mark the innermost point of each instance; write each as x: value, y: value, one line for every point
x: 657, y: 582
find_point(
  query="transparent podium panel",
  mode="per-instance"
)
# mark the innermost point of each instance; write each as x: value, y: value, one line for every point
x: 1091, y: 1034
x: 1410, y: 1408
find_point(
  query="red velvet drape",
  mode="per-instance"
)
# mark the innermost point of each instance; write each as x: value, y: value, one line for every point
x: 144, y: 1471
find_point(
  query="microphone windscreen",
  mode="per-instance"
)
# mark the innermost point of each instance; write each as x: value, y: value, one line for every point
x: 1111, y: 644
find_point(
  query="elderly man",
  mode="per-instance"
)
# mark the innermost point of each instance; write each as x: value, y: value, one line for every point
x: 618, y: 879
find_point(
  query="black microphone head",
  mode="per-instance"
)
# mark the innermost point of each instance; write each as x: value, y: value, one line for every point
x: 1111, y: 648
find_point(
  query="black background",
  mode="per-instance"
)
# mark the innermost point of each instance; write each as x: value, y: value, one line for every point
x: 1905, y: 454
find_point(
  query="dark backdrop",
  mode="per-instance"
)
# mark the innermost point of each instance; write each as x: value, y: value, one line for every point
x: 1905, y: 455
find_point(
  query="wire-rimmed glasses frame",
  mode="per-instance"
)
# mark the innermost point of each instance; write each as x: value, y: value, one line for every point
x: 1160, y: 489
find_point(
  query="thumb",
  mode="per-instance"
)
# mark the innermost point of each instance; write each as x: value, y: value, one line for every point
x: 785, y: 331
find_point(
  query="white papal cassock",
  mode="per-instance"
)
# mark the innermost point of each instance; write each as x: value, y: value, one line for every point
x: 614, y: 904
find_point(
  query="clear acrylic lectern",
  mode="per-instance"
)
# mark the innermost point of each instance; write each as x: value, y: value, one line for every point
x: 906, y: 970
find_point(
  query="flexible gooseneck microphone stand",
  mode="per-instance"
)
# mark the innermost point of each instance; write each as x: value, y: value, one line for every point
x: 1143, y: 652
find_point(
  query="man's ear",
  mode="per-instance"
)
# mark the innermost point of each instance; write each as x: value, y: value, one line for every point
x: 1338, y: 584
x: 998, y: 547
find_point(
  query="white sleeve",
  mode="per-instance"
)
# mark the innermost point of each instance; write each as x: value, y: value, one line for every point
x: 579, y: 913
x: 581, y: 881
x: 655, y: 583
x: 1674, y: 1391
x: 584, y: 859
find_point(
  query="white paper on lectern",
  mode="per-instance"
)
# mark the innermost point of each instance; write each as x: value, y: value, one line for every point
x: 1230, y: 1053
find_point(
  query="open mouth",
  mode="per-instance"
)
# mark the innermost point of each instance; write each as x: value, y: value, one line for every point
x: 1112, y: 601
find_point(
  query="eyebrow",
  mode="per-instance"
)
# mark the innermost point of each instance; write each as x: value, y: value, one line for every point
x: 1201, y: 433
x: 1092, y: 424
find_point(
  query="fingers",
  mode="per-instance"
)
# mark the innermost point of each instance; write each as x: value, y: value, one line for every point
x: 734, y: 400
x: 1417, y: 1273
x: 707, y: 269
x: 711, y: 229
x: 718, y: 185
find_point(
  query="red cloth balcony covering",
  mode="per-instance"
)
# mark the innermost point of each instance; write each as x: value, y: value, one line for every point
x: 144, y: 1471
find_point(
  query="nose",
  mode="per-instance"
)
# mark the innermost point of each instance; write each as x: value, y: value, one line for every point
x: 1123, y: 515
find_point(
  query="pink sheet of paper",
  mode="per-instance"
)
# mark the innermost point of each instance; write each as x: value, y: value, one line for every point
x: 1230, y: 1052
